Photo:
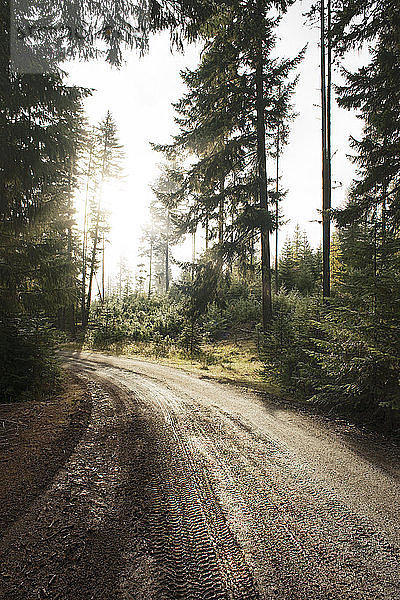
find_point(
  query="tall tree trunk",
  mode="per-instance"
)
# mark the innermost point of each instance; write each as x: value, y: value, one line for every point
x: 193, y: 252
x: 92, y: 266
x: 167, y: 255
x: 263, y: 193
x: 207, y: 231
x: 103, y: 270
x: 96, y: 235
x: 326, y: 200
x: 384, y: 227
x: 221, y: 212
x: 278, y: 144
x: 70, y: 311
x: 233, y: 233
x: 329, y: 113
x: 150, y: 266
x: 85, y: 236
x: 375, y: 267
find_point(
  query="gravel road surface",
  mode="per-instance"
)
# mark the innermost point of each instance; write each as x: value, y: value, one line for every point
x: 184, y: 488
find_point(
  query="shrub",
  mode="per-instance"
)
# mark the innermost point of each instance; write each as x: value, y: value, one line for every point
x: 353, y: 370
x: 28, y: 368
x: 330, y: 356
x: 292, y: 335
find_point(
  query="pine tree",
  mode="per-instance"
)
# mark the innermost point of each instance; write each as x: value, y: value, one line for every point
x: 235, y: 100
x: 299, y: 265
x: 163, y: 212
x: 108, y: 157
x: 41, y: 123
x: 370, y: 223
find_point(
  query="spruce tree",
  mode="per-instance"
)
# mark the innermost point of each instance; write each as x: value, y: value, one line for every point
x: 228, y: 120
x: 370, y: 221
x: 41, y: 123
x: 163, y: 213
x: 108, y: 156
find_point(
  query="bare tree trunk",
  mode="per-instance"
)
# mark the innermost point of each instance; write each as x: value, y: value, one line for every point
x: 85, y: 236
x: 384, y: 224
x: 221, y: 212
x: 326, y: 200
x: 193, y: 252
x: 92, y: 267
x: 150, y: 266
x: 68, y: 311
x: 375, y: 263
x: 103, y: 270
x: 329, y: 112
x: 167, y: 255
x: 263, y: 193
x: 96, y: 237
x: 278, y: 144
x: 207, y: 231
x: 233, y: 233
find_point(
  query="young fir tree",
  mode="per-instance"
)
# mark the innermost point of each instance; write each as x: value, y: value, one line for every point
x: 299, y: 265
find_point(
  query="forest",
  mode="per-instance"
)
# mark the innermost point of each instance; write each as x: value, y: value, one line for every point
x: 324, y: 323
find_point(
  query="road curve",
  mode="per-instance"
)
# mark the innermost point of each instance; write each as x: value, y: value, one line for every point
x: 184, y: 488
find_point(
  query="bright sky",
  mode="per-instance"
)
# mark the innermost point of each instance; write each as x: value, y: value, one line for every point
x: 139, y: 96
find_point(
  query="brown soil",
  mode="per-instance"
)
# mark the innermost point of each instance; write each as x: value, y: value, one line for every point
x: 36, y: 438
x: 180, y: 488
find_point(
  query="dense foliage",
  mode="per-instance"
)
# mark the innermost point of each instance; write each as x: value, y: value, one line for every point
x: 233, y: 121
x: 330, y: 356
x: 203, y: 308
x: 41, y: 125
x: 342, y: 353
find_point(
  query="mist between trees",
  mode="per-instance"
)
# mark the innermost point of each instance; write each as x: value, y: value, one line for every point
x: 325, y: 322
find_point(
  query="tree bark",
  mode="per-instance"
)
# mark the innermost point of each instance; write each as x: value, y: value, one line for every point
x: 278, y: 144
x: 103, y: 270
x: 96, y: 234
x: 193, y: 252
x: 150, y: 266
x: 70, y: 309
x: 167, y: 255
x: 326, y: 196
x: 263, y: 193
x: 92, y: 266
x: 221, y: 211
x: 85, y: 237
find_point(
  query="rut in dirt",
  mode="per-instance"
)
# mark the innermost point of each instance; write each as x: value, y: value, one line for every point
x: 196, y: 553
x: 130, y: 515
x: 184, y: 489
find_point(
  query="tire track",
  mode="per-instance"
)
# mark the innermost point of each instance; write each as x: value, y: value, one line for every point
x: 241, y: 501
x: 184, y: 527
x: 191, y: 538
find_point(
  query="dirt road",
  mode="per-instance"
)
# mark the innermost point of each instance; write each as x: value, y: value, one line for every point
x: 183, y: 488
